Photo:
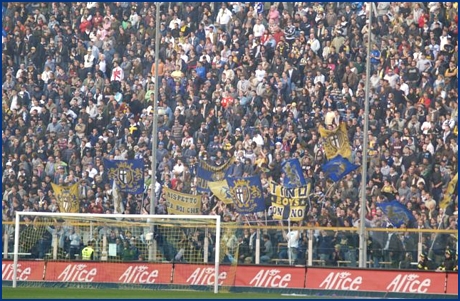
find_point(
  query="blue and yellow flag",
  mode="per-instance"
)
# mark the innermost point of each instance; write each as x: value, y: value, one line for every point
x: 396, y: 213
x: 204, y: 176
x: 68, y: 198
x: 127, y: 174
x: 336, y: 141
x: 450, y: 192
x: 247, y: 194
x: 338, y: 168
x: 293, y: 174
x: 221, y: 190
x: 289, y: 203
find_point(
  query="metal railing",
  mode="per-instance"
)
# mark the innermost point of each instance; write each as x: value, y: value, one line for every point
x: 270, y: 245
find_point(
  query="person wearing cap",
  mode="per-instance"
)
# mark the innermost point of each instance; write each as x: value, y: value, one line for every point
x: 449, y: 263
x: 423, y: 263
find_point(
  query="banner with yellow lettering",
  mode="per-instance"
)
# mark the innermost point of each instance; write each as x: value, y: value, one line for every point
x: 182, y: 203
x: 67, y: 197
x: 221, y: 190
x: 289, y: 203
x: 293, y: 193
x: 336, y: 141
x: 283, y: 210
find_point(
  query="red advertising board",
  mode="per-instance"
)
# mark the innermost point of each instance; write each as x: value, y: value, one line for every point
x: 198, y: 274
x: 376, y: 281
x: 27, y: 270
x: 139, y: 273
x: 393, y: 281
x: 270, y: 277
x: 452, y: 283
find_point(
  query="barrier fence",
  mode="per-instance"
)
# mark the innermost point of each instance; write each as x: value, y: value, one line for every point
x: 248, y: 276
x: 317, y: 246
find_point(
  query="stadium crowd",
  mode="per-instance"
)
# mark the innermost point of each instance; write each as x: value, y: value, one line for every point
x: 246, y: 80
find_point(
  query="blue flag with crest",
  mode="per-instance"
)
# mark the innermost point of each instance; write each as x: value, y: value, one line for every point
x: 396, y: 213
x: 127, y: 174
x: 247, y: 194
x: 338, y: 167
x: 293, y: 174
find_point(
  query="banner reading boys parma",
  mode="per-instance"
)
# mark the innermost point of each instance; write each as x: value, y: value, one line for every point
x: 68, y: 198
x: 289, y: 202
x: 336, y: 141
x: 293, y: 174
x: 247, y: 194
x: 182, y: 203
x: 128, y: 174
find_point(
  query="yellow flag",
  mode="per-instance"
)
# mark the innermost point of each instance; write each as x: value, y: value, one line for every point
x: 449, y: 192
x: 221, y: 191
x: 336, y: 141
x: 67, y: 197
x: 182, y: 203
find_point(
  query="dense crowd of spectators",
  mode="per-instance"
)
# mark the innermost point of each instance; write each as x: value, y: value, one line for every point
x: 246, y: 80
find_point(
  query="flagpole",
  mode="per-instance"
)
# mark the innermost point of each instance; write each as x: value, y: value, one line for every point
x: 153, y: 200
x: 362, y: 216
x: 289, y: 241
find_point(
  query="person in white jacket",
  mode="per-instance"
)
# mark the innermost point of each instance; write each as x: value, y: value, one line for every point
x: 258, y: 29
x: 223, y: 16
x: 314, y: 43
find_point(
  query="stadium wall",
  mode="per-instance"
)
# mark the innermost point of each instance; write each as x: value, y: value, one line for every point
x: 341, y: 280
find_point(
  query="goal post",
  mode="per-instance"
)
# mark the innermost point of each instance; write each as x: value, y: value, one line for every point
x: 122, y: 242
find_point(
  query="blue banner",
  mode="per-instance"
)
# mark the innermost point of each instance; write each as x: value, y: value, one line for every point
x: 247, y: 194
x: 338, y: 168
x: 203, y: 176
x: 396, y: 213
x: 293, y: 174
x: 127, y: 174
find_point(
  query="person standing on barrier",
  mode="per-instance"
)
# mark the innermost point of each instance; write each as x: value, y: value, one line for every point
x: 292, y: 238
x: 75, y: 241
x: 88, y: 252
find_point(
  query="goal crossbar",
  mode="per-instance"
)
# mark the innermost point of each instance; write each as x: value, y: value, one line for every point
x: 148, y: 218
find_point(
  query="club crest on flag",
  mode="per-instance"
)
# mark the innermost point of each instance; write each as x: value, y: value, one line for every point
x: 67, y: 198
x: 127, y: 174
x: 245, y: 194
x: 336, y: 141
